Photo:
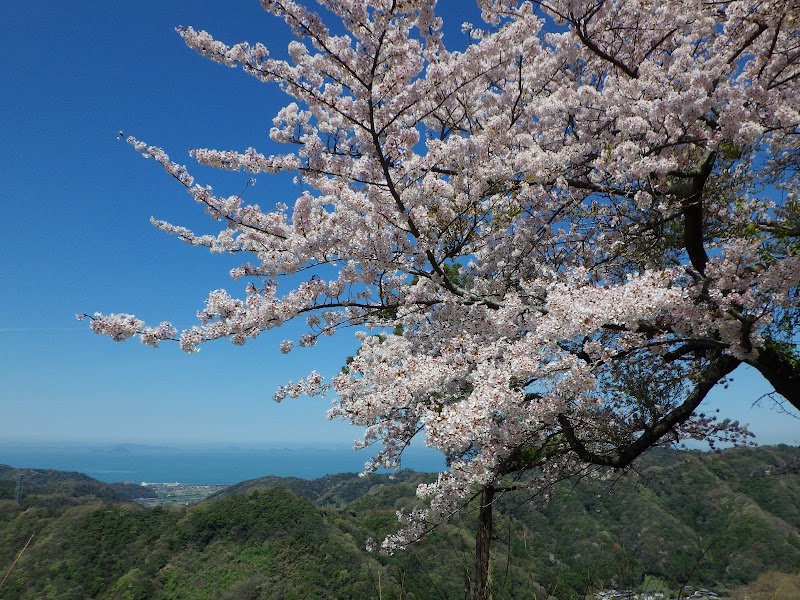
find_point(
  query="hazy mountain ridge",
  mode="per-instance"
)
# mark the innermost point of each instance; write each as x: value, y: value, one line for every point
x: 710, y: 519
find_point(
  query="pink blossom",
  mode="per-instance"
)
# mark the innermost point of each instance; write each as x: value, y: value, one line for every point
x: 565, y: 232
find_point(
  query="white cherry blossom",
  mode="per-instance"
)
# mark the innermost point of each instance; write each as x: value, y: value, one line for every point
x: 554, y: 242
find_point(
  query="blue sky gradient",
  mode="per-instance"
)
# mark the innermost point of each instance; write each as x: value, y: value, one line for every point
x: 76, y: 237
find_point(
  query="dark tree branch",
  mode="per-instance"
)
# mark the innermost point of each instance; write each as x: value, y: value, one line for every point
x: 781, y: 370
x: 720, y: 367
x: 690, y: 192
x: 761, y: 28
x: 482, y: 543
x: 582, y: 32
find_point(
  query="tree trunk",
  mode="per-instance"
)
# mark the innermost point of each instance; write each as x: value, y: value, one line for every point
x: 482, y: 542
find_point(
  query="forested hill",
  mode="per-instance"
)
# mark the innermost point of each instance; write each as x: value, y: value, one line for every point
x: 52, y: 489
x: 714, y: 520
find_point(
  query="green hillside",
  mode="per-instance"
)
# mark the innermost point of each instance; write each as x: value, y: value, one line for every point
x: 713, y: 520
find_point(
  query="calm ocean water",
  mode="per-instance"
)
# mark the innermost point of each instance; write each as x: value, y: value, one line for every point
x: 138, y: 463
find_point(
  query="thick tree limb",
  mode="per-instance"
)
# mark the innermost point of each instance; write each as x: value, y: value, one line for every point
x: 780, y: 370
x: 690, y: 192
x: 719, y: 368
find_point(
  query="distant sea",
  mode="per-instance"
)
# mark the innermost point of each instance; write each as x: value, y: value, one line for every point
x: 201, y: 465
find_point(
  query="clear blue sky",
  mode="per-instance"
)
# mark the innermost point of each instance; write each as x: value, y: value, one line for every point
x: 76, y: 236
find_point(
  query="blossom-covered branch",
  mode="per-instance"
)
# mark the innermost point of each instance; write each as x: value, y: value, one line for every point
x: 553, y: 243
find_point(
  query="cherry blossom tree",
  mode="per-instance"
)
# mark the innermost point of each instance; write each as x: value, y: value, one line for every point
x: 554, y: 243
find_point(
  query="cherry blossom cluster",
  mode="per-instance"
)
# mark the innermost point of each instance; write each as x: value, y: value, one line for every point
x: 553, y: 243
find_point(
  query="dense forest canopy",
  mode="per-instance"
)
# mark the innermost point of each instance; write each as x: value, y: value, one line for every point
x: 707, y: 520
